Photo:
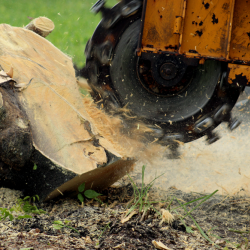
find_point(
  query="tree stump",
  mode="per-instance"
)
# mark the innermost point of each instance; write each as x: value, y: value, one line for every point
x: 45, y: 122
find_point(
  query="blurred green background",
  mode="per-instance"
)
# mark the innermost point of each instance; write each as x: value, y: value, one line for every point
x: 74, y: 23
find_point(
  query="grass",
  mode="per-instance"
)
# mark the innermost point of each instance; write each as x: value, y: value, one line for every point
x: 58, y: 225
x: 141, y: 204
x: 140, y: 200
x: 74, y: 23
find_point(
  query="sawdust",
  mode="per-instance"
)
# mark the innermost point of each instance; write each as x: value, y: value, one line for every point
x: 128, y: 141
x: 166, y: 217
x: 99, y: 226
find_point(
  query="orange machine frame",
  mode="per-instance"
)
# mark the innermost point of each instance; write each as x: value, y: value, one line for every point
x: 218, y: 29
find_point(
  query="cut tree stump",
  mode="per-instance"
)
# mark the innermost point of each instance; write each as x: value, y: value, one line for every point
x: 51, y: 138
x: 43, y: 26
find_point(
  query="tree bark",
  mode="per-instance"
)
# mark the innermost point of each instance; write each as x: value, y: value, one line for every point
x: 15, y: 131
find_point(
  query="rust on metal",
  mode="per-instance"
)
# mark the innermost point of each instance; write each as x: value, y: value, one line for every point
x: 207, y: 28
x: 216, y: 29
x: 159, y: 25
x: 177, y: 25
x: 197, y: 29
x: 240, y: 42
x: 238, y: 74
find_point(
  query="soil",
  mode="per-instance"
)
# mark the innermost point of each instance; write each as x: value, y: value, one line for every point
x: 99, y: 224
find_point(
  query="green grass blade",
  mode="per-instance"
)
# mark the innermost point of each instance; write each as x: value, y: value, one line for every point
x: 131, y: 209
x: 205, y: 199
x: 238, y: 231
x: 58, y: 222
x: 197, y: 225
x: 134, y: 185
x: 147, y: 188
x: 57, y: 226
x: 152, y: 182
x: 142, y: 190
x: 72, y: 228
x: 190, y: 202
x: 201, y: 231
x: 142, y: 179
x: 228, y: 242
x: 168, y: 207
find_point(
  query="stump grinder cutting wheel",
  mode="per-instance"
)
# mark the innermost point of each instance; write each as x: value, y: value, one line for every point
x: 179, y: 66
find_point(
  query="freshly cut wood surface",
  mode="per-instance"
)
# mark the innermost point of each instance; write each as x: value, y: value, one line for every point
x: 43, y: 26
x: 52, y: 101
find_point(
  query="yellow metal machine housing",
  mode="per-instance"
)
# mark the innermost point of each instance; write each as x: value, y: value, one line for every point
x: 218, y: 29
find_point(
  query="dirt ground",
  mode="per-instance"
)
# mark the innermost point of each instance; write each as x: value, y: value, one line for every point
x: 99, y: 225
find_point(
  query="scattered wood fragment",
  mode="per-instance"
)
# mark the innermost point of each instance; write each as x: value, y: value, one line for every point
x: 160, y: 245
x: 129, y: 216
x: 120, y: 246
x: 166, y: 217
x: 82, y: 83
x: 88, y: 240
x: 10, y: 73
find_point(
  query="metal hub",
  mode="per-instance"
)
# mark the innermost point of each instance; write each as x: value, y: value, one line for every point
x: 164, y: 74
x: 168, y: 71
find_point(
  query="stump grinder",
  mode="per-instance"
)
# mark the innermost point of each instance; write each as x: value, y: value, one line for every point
x: 179, y: 65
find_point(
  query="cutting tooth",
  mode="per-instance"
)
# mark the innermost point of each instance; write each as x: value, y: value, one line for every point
x: 171, y: 139
x: 110, y: 16
x: 212, y: 137
x: 203, y: 124
x: 129, y: 7
x: 88, y: 49
x: 92, y: 73
x: 233, y: 123
x: 98, y: 6
x: 104, y: 52
x: 223, y: 114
